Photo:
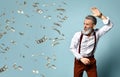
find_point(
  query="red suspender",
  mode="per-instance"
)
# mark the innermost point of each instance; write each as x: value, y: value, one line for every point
x: 80, y: 41
x: 94, y: 44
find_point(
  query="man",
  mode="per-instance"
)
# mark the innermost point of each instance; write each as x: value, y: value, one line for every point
x: 84, y: 43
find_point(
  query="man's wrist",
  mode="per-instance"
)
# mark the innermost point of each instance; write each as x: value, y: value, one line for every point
x: 100, y: 16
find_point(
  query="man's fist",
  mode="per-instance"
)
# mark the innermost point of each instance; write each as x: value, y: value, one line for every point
x: 85, y: 61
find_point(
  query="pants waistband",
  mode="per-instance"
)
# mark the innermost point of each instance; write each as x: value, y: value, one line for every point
x: 90, y: 56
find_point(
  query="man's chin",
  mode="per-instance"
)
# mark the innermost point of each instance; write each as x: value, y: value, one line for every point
x: 87, y: 32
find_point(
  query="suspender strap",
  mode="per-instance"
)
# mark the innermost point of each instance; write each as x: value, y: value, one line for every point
x: 94, y: 44
x: 80, y: 41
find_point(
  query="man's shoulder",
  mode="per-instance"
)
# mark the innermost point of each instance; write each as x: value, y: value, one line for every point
x: 78, y: 33
x: 96, y: 29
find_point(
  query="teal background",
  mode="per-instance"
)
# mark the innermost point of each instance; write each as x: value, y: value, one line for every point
x: 108, y: 49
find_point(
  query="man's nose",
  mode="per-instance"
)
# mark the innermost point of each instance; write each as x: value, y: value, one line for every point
x: 86, y: 26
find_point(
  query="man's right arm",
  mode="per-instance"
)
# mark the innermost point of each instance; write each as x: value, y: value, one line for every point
x: 74, y: 45
x: 74, y: 49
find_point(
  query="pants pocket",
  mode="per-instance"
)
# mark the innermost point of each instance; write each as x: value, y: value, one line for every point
x: 92, y: 60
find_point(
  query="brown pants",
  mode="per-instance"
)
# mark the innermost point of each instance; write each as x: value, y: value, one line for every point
x: 79, y: 68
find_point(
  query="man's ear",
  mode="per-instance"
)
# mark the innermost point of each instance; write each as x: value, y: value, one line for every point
x: 94, y: 26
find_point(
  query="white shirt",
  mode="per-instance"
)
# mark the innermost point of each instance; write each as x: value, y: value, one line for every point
x: 87, y: 43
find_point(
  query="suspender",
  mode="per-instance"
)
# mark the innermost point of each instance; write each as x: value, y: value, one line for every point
x: 80, y: 41
x: 94, y: 44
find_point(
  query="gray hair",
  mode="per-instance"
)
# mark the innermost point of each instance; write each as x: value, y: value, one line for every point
x: 91, y: 17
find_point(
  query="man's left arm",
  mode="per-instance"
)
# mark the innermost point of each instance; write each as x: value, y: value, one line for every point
x: 106, y: 21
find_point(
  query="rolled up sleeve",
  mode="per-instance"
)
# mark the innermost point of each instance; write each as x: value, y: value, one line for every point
x: 107, y: 26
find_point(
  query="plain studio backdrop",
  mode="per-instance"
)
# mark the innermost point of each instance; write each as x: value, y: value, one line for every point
x: 35, y: 36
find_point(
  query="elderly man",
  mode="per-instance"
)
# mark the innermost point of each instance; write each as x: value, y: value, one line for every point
x: 83, y: 44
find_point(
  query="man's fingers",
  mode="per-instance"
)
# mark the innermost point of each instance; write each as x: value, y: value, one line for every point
x: 95, y: 12
x: 93, y: 8
x: 85, y: 61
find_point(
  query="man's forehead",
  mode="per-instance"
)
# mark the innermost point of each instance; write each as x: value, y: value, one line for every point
x: 88, y: 21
